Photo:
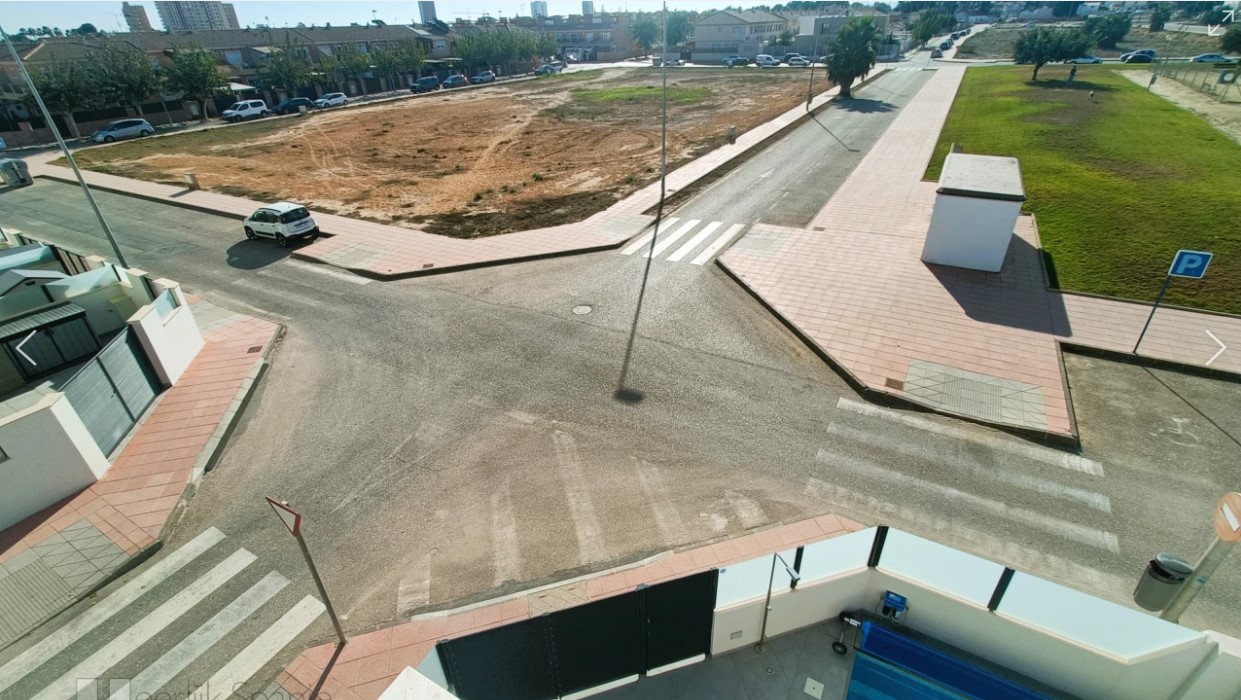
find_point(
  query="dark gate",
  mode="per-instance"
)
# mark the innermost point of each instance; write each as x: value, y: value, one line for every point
x: 678, y: 618
x: 585, y: 646
x: 49, y: 340
x: 111, y: 391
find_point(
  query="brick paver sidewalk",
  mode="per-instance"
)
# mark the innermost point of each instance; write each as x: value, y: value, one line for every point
x: 381, y: 250
x: 63, y: 551
x: 974, y: 344
x: 370, y: 662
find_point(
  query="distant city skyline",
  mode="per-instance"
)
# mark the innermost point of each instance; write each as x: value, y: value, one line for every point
x: 106, y: 16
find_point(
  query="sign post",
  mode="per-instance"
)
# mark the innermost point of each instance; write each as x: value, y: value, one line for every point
x: 1227, y: 531
x: 293, y: 522
x: 1191, y: 264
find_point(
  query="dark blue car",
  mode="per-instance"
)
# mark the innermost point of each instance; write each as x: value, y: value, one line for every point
x: 453, y: 81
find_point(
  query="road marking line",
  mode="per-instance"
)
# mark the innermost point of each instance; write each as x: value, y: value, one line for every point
x: 77, y: 628
x: 667, y: 518
x: 320, y: 269
x: 1069, y: 531
x: 1219, y: 352
x: 1045, y: 455
x: 1019, y: 479
x: 695, y: 241
x: 261, y: 650
x: 576, y: 488
x: 504, y: 538
x: 142, y: 631
x: 718, y: 244
x: 748, y: 511
x: 157, y: 675
x: 415, y: 591
x: 667, y: 241
x: 646, y: 237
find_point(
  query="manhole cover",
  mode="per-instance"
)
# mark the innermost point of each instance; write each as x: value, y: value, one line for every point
x: 582, y: 310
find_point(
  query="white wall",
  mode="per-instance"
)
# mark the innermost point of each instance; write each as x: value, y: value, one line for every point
x: 808, y: 604
x: 51, y: 456
x: 1219, y: 677
x: 412, y: 685
x: 107, y: 307
x: 172, y: 343
x: 970, y: 232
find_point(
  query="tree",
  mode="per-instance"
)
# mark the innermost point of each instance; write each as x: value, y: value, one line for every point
x: 1041, y: 46
x: 680, y: 27
x: 925, y: 28
x: 126, y: 76
x: 85, y: 29
x: 546, y: 46
x: 645, y: 33
x: 195, y: 74
x: 1231, y: 41
x: 1108, y: 29
x: 883, y: 7
x: 352, y: 64
x: 67, y: 88
x: 286, y: 68
x: 786, y: 38
x: 851, y: 53
x: 1159, y: 17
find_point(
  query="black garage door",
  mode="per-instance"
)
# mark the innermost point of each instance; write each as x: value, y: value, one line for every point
x: 111, y: 391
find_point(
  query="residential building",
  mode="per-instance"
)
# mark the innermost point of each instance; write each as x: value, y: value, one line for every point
x: 426, y: 10
x: 588, y: 7
x: 814, y: 33
x: 730, y: 32
x: 136, y: 18
x: 597, y: 37
x: 538, y: 9
x: 195, y: 16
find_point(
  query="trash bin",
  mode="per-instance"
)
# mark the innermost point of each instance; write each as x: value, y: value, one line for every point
x: 1161, y: 580
x: 14, y: 172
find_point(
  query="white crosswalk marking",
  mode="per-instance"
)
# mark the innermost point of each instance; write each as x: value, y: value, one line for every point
x: 137, y: 635
x: 59, y: 640
x: 670, y: 235
x: 261, y: 650
x: 666, y: 242
x: 645, y: 238
x: 718, y: 244
x: 693, y: 242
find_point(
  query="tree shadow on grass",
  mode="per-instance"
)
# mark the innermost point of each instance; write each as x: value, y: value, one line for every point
x: 1049, y: 84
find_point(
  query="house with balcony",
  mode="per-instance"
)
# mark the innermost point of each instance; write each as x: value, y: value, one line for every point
x: 736, y: 33
x: 596, y: 37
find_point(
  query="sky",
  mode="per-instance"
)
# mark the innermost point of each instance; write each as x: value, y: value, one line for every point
x: 106, y: 16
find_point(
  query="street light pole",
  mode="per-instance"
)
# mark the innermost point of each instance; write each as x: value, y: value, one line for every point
x: 761, y: 645
x: 1227, y: 522
x: 47, y: 116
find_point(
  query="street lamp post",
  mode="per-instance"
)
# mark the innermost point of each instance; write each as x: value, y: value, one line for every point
x: 761, y: 646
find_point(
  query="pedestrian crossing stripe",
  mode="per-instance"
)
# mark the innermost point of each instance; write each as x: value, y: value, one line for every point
x: 672, y: 230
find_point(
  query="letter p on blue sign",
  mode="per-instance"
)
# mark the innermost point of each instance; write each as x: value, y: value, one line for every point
x: 1190, y: 263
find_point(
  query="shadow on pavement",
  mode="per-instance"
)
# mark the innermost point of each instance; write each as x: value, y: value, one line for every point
x: 864, y: 105
x: 252, y: 255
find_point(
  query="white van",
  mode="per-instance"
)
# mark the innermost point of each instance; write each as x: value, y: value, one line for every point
x: 248, y: 109
x: 765, y: 61
x: 283, y: 221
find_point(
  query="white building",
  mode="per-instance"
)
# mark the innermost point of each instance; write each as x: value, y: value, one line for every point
x: 538, y: 8
x: 196, y: 15
x: 426, y: 9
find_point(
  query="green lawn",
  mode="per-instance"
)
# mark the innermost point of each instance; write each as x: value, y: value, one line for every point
x: 1118, y: 185
x: 676, y: 95
x: 998, y: 42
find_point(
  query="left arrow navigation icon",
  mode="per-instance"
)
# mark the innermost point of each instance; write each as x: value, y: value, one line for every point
x: 18, y: 348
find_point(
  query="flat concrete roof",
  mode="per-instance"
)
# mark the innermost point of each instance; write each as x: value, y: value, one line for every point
x: 984, y: 177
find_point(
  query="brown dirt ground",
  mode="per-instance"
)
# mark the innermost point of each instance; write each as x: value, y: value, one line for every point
x: 472, y: 163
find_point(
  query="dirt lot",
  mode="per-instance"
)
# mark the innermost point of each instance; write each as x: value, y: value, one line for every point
x: 472, y: 163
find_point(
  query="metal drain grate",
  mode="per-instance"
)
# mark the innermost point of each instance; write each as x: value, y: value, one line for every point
x: 254, y: 349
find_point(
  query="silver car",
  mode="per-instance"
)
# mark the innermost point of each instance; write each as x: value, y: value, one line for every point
x: 123, y: 129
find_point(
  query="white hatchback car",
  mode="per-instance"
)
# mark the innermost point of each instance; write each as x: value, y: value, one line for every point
x: 283, y: 221
x: 248, y: 109
x: 332, y: 99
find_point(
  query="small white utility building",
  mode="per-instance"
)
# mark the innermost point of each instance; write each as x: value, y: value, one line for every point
x: 975, y: 212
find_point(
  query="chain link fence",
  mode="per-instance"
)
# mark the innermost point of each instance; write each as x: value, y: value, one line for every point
x: 1222, y: 82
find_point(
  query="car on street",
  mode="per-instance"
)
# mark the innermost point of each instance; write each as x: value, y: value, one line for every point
x: 283, y: 221
x: 731, y: 61
x: 1124, y: 57
x: 123, y: 129
x: 246, y: 109
x: 332, y: 99
x: 937, y: 54
x: 1085, y: 59
x: 1138, y: 58
x: 453, y: 81
x: 1028, y: 25
x: 789, y: 56
x: 945, y: 45
x: 546, y: 69
x: 765, y: 61
x: 799, y: 62
x: 426, y: 84
x: 293, y: 105
x: 484, y: 77
x: 1213, y: 58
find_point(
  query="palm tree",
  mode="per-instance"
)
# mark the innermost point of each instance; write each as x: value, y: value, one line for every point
x: 852, y: 53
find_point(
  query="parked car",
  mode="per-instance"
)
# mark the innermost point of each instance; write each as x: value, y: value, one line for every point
x: 945, y: 45
x: 484, y: 77
x: 283, y: 221
x: 731, y: 61
x: 1139, y: 58
x: 1028, y: 25
x: 453, y: 81
x: 936, y: 53
x: 789, y: 56
x: 799, y: 62
x: 546, y: 69
x: 247, y: 109
x: 123, y: 129
x: 293, y: 105
x: 1213, y: 58
x: 765, y: 61
x: 1124, y: 57
x: 426, y: 84
x: 332, y: 99
x: 1085, y: 59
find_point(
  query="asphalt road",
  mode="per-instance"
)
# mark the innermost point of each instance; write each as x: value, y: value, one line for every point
x: 455, y: 437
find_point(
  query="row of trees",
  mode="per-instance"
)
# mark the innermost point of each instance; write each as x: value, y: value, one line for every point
x: 648, y: 29
x: 493, y: 48
x: 290, y: 68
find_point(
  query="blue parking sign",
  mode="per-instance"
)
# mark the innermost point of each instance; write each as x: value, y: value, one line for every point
x: 1190, y: 263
